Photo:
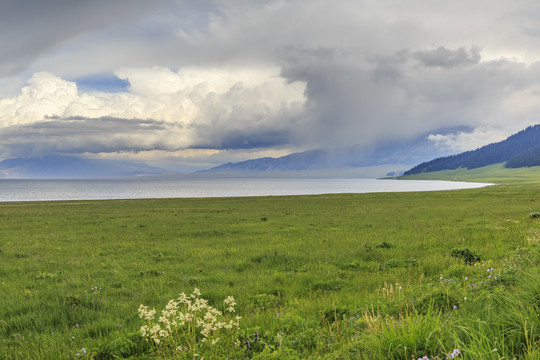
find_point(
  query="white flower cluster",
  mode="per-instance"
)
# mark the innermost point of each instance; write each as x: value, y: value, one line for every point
x: 196, y: 318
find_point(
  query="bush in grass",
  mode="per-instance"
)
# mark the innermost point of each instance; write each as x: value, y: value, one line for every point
x: 263, y: 301
x: 329, y: 285
x: 466, y: 255
x: 356, y: 265
x: 260, y: 345
x: 335, y: 313
x: 399, y: 263
x: 385, y: 245
x: 125, y: 346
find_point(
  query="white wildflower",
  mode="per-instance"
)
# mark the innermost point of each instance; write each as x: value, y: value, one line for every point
x: 229, y: 301
x: 146, y: 314
x: 144, y: 330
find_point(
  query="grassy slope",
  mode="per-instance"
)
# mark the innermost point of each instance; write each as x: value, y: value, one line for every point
x: 74, y: 273
x: 494, y: 174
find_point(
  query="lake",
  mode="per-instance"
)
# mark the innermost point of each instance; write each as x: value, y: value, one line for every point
x: 135, y: 188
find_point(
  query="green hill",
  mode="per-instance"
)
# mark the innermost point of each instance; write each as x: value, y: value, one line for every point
x: 519, y: 150
x: 496, y: 173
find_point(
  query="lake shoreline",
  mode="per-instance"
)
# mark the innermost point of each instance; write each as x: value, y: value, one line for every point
x: 27, y: 190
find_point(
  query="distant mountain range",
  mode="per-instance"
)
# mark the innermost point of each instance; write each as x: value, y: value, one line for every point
x: 390, y: 159
x: 519, y: 150
x: 384, y: 160
x: 68, y: 167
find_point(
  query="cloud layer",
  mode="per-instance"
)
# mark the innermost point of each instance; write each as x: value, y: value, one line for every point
x: 255, y: 76
x: 163, y: 110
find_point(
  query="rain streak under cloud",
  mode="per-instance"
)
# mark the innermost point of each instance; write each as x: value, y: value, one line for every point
x: 207, y: 82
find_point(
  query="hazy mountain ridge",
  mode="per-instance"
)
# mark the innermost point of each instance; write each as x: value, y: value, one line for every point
x: 61, y: 166
x: 296, y: 161
x: 400, y: 154
x: 389, y: 159
x: 519, y: 150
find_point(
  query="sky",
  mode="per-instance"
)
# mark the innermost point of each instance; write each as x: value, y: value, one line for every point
x: 191, y: 84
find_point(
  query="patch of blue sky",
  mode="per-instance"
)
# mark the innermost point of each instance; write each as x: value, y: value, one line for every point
x: 103, y: 82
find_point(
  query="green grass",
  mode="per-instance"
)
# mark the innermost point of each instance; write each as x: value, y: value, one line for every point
x: 497, y: 174
x: 363, y: 276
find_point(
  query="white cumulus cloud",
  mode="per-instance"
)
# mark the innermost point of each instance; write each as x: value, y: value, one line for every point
x: 162, y: 110
x: 464, y: 141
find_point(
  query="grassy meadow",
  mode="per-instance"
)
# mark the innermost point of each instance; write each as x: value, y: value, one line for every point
x: 497, y: 174
x: 349, y: 276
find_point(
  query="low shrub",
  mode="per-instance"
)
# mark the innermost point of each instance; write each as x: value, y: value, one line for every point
x: 399, y: 263
x: 466, y: 255
x: 335, y: 313
x: 122, y: 347
x: 385, y: 245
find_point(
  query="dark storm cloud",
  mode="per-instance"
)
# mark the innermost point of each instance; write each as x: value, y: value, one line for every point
x: 243, y: 139
x: 80, y: 135
x: 365, y: 99
x: 28, y: 27
x: 113, y: 135
x: 443, y: 57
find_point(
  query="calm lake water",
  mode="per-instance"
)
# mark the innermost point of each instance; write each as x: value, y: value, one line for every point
x: 47, y: 190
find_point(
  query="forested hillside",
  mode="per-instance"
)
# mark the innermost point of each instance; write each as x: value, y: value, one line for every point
x: 519, y: 150
x: 526, y: 159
